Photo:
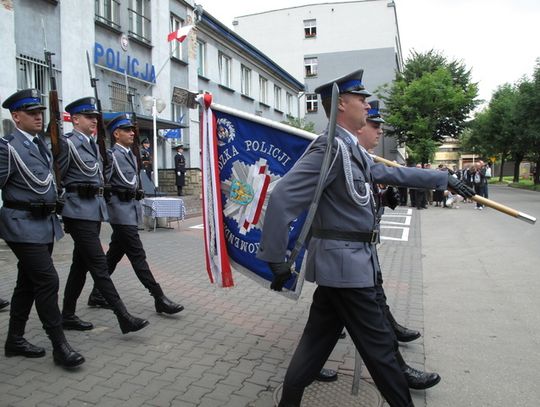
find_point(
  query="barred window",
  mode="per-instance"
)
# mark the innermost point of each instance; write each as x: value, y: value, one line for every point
x: 34, y: 73
x: 139, y: 20
x: 108, y: 12
x: 312, y: 104
x: 118, y: 97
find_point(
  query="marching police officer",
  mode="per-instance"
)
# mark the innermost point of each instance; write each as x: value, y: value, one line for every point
x: 368, y: 138
x: 125, y: 214
x: 84, y: 210
x: 180, y: 169
x: 29, y: 225
x: 341, y: 252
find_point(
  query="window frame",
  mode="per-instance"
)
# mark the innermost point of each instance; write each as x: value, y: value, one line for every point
x: 277, y: 97
x: 201, y: 58
x: 310, y: 28
x: 101, y: 9
x: 263, y: 90
x: 311, y: 99
x: 288, y: 103
x: 245, y: 80
x: 175, y: 23
x: 135, y: 13
x: 311, y: 67
x: 222, y: 57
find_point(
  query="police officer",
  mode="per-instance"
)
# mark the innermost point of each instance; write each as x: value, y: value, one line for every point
x: 368, y: 138
x: 3, y: 303
x: 180, y: 169
x: 146, y: 158
x: 125, y: 214
x: 29, y: 225
x: 84, y: 210
x: 341, y: 252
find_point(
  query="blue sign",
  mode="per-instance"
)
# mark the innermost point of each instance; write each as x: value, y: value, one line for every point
x: 171, y: 133
x: 252, y: 158
x: 123, y: 63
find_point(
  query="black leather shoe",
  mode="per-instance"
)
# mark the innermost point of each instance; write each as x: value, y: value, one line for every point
x: 128, y: 323
x: 96, y: 300
x: 3, y: 303
x: 74, y: 323
x: 18, y: 346
x: 405, y: 334
x: 416, y: 379
x: 163, y: 304
x: 326, y: 375
x: 64, y: 355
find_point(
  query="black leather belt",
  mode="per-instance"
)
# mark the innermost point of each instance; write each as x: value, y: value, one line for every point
x: 85, y: 190
x: 38, y: 209
x: 127, y: 195
x: 348, y: 236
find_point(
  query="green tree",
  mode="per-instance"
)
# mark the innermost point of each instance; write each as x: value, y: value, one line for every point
x: 431, y: 99
x: 300, y: 124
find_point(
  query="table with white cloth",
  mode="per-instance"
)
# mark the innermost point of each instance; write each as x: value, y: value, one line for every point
x: 164, y: 207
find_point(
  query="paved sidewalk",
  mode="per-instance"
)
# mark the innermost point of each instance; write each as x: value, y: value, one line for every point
x: 229, y: 347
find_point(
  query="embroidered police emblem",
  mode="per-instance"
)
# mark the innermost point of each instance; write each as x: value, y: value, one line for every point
x: 225, y: 131
x: 248, y: 190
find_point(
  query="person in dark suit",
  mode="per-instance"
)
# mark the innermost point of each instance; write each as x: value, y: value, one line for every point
x: 180, y: 169
x: 29, y: 225
x: 341, y: 256
x: 125, y: 213
x: 84, y: 210
x: 3, y: 303
x: 146, y: 158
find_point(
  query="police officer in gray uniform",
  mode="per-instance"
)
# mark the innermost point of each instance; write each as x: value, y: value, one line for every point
x: 84, y: 210
x: 341, y: 257
x: 29, y: 225
x: 125, y: 213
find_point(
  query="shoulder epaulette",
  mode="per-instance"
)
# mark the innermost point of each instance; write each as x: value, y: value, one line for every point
x: 7, y: 139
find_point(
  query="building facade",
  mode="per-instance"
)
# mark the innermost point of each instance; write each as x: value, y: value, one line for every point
x: 126, y: 41
x: 319, y: 42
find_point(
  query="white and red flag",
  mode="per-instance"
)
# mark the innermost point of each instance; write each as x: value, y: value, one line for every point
x: 180, y: 34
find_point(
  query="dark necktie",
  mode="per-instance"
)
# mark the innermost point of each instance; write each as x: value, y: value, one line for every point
x: 41, y: 148
x: 93, y: 145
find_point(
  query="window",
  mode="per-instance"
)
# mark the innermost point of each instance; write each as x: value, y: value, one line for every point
x: 139, y: 20
x: 310, y: 66
x: 311, y: 102
x: 118, y: 97
x: 263, y: 90
x: 178, y: 115
x: 289, y: 104
x: 176, y: 46
x: 108, y: 12
x: 277, y: 97
x: 34, y: 73
x: 201, y: 58
x: 224, y: 70
x: 246, y: 81
x: 310, y: 28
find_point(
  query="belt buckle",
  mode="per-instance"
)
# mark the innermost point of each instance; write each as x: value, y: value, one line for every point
x: 100, y: 191
x: 374, y: 236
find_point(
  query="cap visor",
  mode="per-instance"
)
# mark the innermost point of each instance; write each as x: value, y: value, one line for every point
x: 34, y: 107
x: 376, y: 120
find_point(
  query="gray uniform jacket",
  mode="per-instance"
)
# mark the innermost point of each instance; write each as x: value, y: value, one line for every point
x: 18, y: 176
x: 334, y: 263
x: 79, y: 164
x: 122, y: 174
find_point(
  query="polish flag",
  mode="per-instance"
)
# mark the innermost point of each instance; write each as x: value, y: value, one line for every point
x: 180, y: 34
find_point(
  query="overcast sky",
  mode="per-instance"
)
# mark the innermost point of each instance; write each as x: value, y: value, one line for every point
x: 498, y: 39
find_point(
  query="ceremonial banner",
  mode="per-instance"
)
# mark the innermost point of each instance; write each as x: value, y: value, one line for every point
x: 251, y: 155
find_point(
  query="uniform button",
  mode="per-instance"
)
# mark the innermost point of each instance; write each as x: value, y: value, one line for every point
x: 346, y: 244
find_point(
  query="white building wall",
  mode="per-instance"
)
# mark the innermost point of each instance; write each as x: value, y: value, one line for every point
x: 8, y: 79
x: 76, y: 18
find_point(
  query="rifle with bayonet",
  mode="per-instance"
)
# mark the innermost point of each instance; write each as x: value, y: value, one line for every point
x: 54, y: 129
x: 101, y: 133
